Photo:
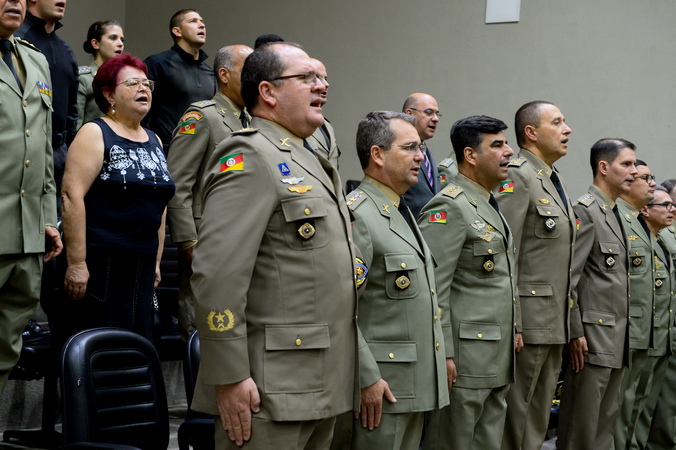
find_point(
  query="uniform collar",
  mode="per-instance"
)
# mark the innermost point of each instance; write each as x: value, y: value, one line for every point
x: 539, y: 165
x: 482, y: 191
x: 235, y: 109
x: 603, y: 195
x: 40, y: 24
x: 387, y: 191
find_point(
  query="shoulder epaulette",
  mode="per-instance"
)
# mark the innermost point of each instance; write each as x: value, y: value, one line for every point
x: 245, y: 131
x: 447, y: 162
x: 586, y: 199
x: 452, y: 190
x: 203, y: 103
x: 83, y: 70
x: 355, y: 198
x: 517, y: 162
x: 26, y: 43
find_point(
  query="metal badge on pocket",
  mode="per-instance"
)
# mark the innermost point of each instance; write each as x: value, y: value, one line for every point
x: 306, y: 230
x: 610, y: 261
x: 550, y: 224
x: 403, y: 282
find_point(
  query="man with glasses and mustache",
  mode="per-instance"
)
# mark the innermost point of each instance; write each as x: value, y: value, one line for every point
x: 274, y: 274
x: 426, y: 112
x: 641, y: 297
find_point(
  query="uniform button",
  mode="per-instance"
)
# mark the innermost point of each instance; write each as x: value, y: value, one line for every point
x: 307, y: 211
x: 435, y: 319
x: 403, y: 265
x: 610, y: 250
x: 432, y: 291
x: 600, y: 320
x: 514, y: 301
x: 28, y: 133
x: 490, y: 251
x: 28, y: 163
x: 670, y: 311
x: 25, y: 103
x: 23, y: 193
x: 298, y: 341
x: 50, y: 103
x: 438, y: 346
x: 391, y: 355
x: 514, y: 324
x: 549, y: 213
x: 532, y: 292
x: 479, y: 335
x: 349, y: 240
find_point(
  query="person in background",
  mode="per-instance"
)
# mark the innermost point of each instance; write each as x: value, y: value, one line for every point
x: 105, y: 39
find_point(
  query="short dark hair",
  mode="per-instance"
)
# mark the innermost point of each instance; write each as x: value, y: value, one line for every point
x: 469, y: 132
x: 607, y: 149
x: 96, y: 31
x: 669, y: 184
x: 528, y: 114
x: 639, y: 163
x: 263, y: 64
x: 106, y: 77
x: 660, y: 187
x: 177, y: 20
x: 265, y: 38
x: 375, y: 129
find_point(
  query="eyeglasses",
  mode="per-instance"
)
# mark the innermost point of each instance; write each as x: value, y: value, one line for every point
x: 428, y: 112
x: 135, y: 83
x: 411, y: 148
x: 667, y: 205
x: 308, y: 77
x: 647, y: 178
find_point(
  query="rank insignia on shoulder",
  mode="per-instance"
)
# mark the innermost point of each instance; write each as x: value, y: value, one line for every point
x: 586, y: 199
x: 517, y: 162
x: 544, y: 201
x: 506, y: 187
x: 306, y: 230
x: 300, y: 189
x: 191, y: 115
x: 187, y: 128
x: 355, y: 198
x: 447, y: 162
x: 437, y: 216
x: 232, y: 163
x: 403, y: 282
x: 362, y: 271
x: 204, y: 103
x: 219, y: 324
x: 245, y: 131
x: 453, y: 190
x: 84, y: 70
x: 26, y: 43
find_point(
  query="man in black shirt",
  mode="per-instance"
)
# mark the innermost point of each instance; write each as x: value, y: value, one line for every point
x: 181, y: 76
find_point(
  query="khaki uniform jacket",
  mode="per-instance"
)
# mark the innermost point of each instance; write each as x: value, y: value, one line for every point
x: 600, y: 300
x: 641, y: 279
x: 401, y: 340
x: 318, y: 142
x: 665, y: 302
x: 274, y: 278
x: 87, y: 109
x: 189, y: 152
x: 27, y: 189
x: 475, y: 253
x: 447, y: 169
x: 544, y: 236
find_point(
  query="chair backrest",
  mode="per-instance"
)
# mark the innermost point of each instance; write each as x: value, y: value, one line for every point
x: 191, y: 365
x: 113, y: 391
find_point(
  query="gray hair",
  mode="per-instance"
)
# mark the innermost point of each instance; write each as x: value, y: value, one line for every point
x: 225, y: 58
x: 375, y: 129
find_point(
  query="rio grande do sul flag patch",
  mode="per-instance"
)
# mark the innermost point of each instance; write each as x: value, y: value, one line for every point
x: 437, y: 216
x: 506, y: 187
x: 232, y: 163
x: 187, y: 128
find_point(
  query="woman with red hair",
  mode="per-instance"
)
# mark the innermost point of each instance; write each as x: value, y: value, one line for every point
x: 115, y: 190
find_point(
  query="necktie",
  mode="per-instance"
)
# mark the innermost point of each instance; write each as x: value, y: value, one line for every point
x: 494, y: 203
x: 641, y: 220
x: 559, y: 188
x: 242, y: 118
x: 6, y: 48
x: 617, y: 215
x: 428, y: 168
x: 403, y: 209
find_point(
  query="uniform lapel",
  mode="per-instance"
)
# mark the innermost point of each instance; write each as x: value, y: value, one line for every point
x: 7, y: 77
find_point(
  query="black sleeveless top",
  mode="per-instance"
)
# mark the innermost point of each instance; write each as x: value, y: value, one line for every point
x: 125, y: 203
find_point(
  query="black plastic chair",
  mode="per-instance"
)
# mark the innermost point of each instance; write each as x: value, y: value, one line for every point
x: 198, y: 429
x: 113, y: 392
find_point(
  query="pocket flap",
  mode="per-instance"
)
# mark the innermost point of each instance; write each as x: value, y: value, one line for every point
x: 610, y: 248
x: 395, y: 262
x: 635, y: 311
x: 637, y: 250
x: 393, y: 351
x: 303, y: 208
x: 548, y: 211
x: 486, y: 248
x: 535, y: 290
x: 598, y: 318
x: 478, y: 330
x: 296, y: 337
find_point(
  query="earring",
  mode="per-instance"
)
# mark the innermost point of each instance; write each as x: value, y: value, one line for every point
x: 112, y: 108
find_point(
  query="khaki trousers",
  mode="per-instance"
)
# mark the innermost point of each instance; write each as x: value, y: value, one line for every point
x: 274, y: 435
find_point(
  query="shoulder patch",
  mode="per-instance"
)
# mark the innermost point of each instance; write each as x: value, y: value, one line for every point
x: 517, y: 162
x: 586, y: 199
x: 84, y: 70
x: 204, y: 103
x: 355, y: 198
x: 447, y: 162
x: 191, y: 115
x: 26, y: 43
x: 453, y: 190
x: 245, y: 131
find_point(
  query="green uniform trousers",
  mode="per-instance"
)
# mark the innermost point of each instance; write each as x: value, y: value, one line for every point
x: 396, y: 432
x: 270, y: 434
x: 650, y: 386
x: 20, y: 279
x: 663, y: 430
x: 629, y: 393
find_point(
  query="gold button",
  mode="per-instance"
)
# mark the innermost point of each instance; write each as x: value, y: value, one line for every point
x: 28, y: 133
x: 25, y: 103
x: 549, y: 213
x: 435, y: 319
x: 600, y: 320
x: 349, y: 240
x: 479, y: 335
x: 514, y: 301
x: 670, y: 311
x: 514, y: 324
x: 28, y: 163
x: 50, y: 103
x: 391, y: 355
x: 490, y: 251
x: 636, y: 253
x: 432, y: 291
x: 23, y: 193
x: 532, y: 292
x: 298, y: 341
x: 438, y: 346
x: 403, y: 265
x: 610, y: 250
x: 307, y: 211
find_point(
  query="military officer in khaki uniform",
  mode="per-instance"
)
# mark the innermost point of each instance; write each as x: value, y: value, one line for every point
x: 203, y: 126
x: 27, y: 189
x: 274, y: 275
x: 540, y: 214
x: 447, y: 169
x: 323, y: 140
x: 86, y: 106
x: 600, y: 303
x: 474, y: 250
x: 641, y: 298
x: 658, y: 215
x: 402, y: 355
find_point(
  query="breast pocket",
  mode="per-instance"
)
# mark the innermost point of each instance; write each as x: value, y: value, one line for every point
x: 478, y: 349
x: 610, y: 252
x: 305, y: 223
x: 401, y: 278
x: 547, y: 222
x: 638, y: 259
x: 485, y: 257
